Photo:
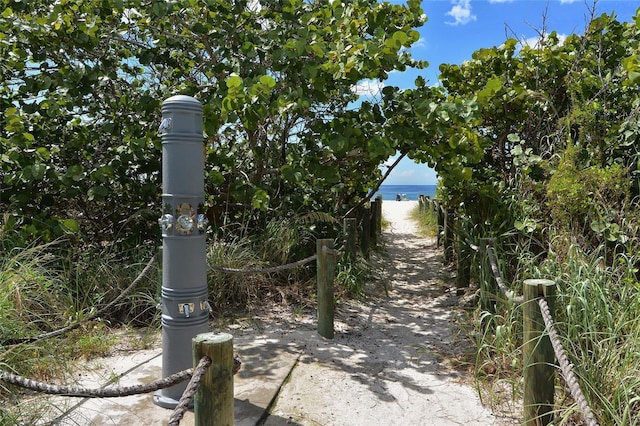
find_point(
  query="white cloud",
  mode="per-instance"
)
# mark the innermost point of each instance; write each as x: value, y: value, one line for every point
x: 568, y: 1
x: 532, y: 42
x: 368, y: 87
x: 461, y: 12
x: 420, y: 43
x: 537, y: 42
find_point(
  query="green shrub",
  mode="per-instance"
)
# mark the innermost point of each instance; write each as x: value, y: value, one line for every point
x: 588, y: 201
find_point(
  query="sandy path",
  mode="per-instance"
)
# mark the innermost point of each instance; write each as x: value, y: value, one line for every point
x: 385, y: 365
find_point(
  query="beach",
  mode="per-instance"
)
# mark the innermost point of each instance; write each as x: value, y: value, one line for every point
x: 397, y: 214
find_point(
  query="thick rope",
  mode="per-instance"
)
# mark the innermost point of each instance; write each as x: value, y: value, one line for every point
x: 106, y: 392
x: 565, y: 366
x: 110, y: 392
x: 97, y: 314
x: 498, y: 276
x: 189, y: 392
x: 330, y: 251
x: 265, y: 270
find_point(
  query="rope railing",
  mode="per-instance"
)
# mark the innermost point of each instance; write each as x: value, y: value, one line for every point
x: 194, y: 375
x: 189, y: 392
x: 104, y: 392
x: 268, y: 270
x: 98, y: 313
x: 566, y: 368
x: 498, y: 277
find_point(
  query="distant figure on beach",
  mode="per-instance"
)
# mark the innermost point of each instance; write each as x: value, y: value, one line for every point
x: 398, y: 197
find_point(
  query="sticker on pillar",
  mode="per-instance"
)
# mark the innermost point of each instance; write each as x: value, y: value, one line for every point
x: 186, y: 309
x: 185, y: 219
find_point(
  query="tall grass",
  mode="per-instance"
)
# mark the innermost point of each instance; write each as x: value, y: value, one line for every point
x: 427, y: 221
x: 45, y: 288
x: 228, y: 290
x: 352, y: 277
x: 32, y: 293
x: 597, y: 317
x: 282, y: 241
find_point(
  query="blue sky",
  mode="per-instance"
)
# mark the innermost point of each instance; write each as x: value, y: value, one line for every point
x: 457, y: 28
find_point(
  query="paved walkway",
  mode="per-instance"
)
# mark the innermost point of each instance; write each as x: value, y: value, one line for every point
x: 385, y: 366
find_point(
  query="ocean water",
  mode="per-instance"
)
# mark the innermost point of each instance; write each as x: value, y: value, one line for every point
x: 389, y: 192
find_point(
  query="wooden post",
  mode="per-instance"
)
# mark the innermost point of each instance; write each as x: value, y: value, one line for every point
x: 463, y: 277
x: 326, y: 266
x: 379, y: 217
x: 421, y: 203
x: 440, y: 211
x: 213, y: 402
x: 374, y: 220
x: 365, y: 236
x: 349, y: 229
x: 538, y: 356
x: 488, y: 285
x: 448, y: 234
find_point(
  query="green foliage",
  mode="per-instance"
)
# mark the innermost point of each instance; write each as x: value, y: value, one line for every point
x: 427, y: 221
x: 282, y: 242
x: 502, y: 119
x: 76, y: 139
x: 597, y: 317
x: 42, y: 290
x: 82, y: 84
x: 352, y: 275
x: 580, y: 197
x: 556, y: 184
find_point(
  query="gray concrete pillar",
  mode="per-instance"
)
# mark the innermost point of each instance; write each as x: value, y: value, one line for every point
x: 185, y: 310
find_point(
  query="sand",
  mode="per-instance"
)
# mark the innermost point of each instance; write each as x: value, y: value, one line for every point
x: 394, y: 360
x: 389, y: 361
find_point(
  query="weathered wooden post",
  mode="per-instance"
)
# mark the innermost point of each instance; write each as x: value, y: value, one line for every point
x: 463, y: 277
x: 449, y: 219
x: 379, y: 218
x: 213, y: 402
x: 373, y: 221
x: 421, y: 202
x: 365, y: 235
x: 326, y: 266
x: 349, y: 229
x: 488, y: 286
x: 440, y: 212
x: 538, y: 356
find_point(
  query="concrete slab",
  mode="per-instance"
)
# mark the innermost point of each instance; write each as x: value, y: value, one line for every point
x: 265, y: 366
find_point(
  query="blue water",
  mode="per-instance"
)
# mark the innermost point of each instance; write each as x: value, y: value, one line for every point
x: 389, y: 192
